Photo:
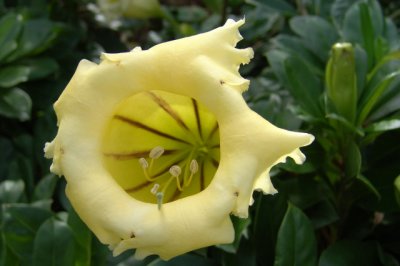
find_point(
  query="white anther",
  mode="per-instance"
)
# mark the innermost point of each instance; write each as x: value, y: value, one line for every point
x: 194, y: 166
x: 156, y: 152
x: 175, y: 170
x: 154, y: 189
x: 143, y: 163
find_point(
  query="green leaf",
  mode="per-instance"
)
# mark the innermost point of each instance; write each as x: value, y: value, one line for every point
x: 303, y: 191
x: 240, y: 226
x: 37, y: 35
x: 296, y: 240
x: 338, y: 10
x: 352, y: 160
x: 368, y: 35
x: 295, y: 46
x: 54, y: 244
x: 45, y: 188
x: 384, y: 125
x: 363, y: 24
x: 362, y: 189
x: 371, y: 96
x: 276, y: 5
x: 397, y: 189
x: 350, y: 253
x: 10, y: 27
x: 40, y: 67
x: 11, y: 191
x: 270, y: 210
x: 83, y: 239
x: 21, y: 222
x: 317, y: 34
x: 22, y: 168
x: 349, y: 126
x: 322, y: 214
x: 187, y: 259
x: 15, y: 103
x: 303, y: 85
x: 13, y: 75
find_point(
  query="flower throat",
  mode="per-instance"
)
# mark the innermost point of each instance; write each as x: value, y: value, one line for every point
x: 161, y: 147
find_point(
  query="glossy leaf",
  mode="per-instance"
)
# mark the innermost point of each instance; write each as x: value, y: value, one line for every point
x: 25, y: 220
x: 10, y: 27
x: 322, y: 214
x: 318, y: 35
x: 397, y: 189
x: 384, y: 125
x: 53, y: 244
x: 303, y: 85
x: 36, y: 36
x: 296, y: 241
x: 188, y: 259
x: 374, y: 94
x: 240, y: 226
x: 352, y: 160
x: 13, y: 75
x: 350, y: 253
x: 11, y: 191
x: 15, y: 103
x: 83, y: 238
x: 270, y: 211
x: 45, y: 188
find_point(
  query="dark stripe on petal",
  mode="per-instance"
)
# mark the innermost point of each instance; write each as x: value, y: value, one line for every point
x: 215, y: 163
x: 135, y: 154
x: 197, y: 114
x: 202, y: 184
x: 213, y: 131
x: 176, y: 195
x: 168, y: 109
x: 138, y: 187
x: 147, y: 128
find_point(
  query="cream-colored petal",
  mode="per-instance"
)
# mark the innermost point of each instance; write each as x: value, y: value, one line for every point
x: 203, y: 67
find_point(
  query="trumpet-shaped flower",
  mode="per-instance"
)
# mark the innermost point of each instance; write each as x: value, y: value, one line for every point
x: 159, y: 147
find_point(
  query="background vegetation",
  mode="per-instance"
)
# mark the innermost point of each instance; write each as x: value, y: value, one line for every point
x: 342, y: 207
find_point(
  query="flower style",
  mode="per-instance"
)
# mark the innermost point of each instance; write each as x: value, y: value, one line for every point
x: 159, y: 147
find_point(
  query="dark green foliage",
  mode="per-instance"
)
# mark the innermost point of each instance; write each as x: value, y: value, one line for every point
x: 342, y: 207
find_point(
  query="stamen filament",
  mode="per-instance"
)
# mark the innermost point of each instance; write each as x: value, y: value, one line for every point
x: 194, y: 167
x: 145, y: 165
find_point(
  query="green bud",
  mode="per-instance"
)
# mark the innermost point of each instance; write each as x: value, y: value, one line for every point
x: 140, y: 9
x: 341, y: 80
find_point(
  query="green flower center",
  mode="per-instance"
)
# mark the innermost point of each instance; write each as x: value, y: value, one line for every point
x: 161, y: 147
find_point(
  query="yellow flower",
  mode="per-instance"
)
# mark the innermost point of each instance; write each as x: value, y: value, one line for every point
x: 159, y: 147
x: 130, y: 8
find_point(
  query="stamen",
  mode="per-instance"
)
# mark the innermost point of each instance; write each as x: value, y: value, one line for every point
x: 154, y: 189
x: 156, y: 152
x: 175, y: 171
x: 145, y: 165
x: 193, y: 167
